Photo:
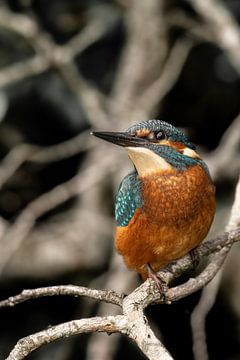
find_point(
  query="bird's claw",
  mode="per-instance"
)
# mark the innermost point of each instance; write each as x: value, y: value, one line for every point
x: 194, y: 257
x: 159, y: 282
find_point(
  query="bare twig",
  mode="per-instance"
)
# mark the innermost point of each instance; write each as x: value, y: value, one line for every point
x: 49, y: 54
x: 198, y: 317
x: 209, y: 293
x: 219, y: 244
x: 121, y: 280
x: 138, y: 327
x: 25, y: 346
x: 195, y: 284
x: 142, y: 59
x: 27, y: 27
x: 195, y: 29
x: 26, y: 152
x: 234, y: 220
x: 223, y: 26
x: 19, y: 23
x: 132, y: 322
x: 14, y: 237
x: 153, y: 95
x: 13, y: 160
x: 22, y: 70
x: 93, y: 102
x: 63, y: 150
x: 67, y: 241
x: 226, y: 155
x: 103, y: 295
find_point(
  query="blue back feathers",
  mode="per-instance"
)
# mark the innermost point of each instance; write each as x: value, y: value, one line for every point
x: 128, y: 199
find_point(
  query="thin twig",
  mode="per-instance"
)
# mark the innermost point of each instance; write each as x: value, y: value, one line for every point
x: 71, y: 290
x: 121, y: 280
x: 142, y: 59
x: 14, y: 159
x: 223, y: 26
x: 199, y: 315
x: 49, y: 54
x: 132, y: 322
x: 75, y: 145
x: 226, y: 155
x: 27, y: 345
x: 153, y: 95
x: 209, y: 293
x: 219, y: 244
x: 15, y: 236
x: 26, y: 152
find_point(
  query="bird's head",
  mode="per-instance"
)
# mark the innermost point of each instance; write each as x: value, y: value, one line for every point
x: 154, y: 145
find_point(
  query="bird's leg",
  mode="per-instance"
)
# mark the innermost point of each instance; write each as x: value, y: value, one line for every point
x: 160, y: 283
x: 194, y: 257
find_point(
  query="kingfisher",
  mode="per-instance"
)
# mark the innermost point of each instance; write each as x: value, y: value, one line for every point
x: 164, y: 208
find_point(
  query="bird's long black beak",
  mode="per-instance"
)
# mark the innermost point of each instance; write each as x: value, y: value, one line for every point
x: 120, y: 138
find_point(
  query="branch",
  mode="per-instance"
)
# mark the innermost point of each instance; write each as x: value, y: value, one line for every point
x: 50, y: 55
x: 177, y: 57
x: 223, y: 26
x: 119, y: 278
x: 103, y: 295
x: 27, y: 345
x: 195, y: 284
x: 133, y: 305
x: 18, y: 155
x: 219, y: 244
x: 18, y: 23
x: 209, y: 293
x: 198, y: 31
x: 22, y: 70
x: 142, y: 59
x: 205, y: 249
x: 226, y: 155
x: 199, y: 315
x: 15, y: 236
x: 138, y: 328
x: 63, y: 150
x: 132, y: 322
x: 13, y: 160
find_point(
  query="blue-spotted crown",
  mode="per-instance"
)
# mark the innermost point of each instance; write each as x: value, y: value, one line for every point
x: 172, y: 133
x: 176, y: 159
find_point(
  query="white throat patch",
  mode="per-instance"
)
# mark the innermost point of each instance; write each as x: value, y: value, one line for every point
x: 146, y: 161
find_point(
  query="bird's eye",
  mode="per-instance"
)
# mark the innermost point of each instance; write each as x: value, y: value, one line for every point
x: 160, y: 135
x: 153, y: 136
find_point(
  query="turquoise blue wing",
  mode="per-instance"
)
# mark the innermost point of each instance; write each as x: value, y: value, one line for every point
x: 128, y: 199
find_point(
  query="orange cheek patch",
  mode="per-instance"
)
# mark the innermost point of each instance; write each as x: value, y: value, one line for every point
x: 176, y: 145
x: 181, y: 148
x: 143, y: 133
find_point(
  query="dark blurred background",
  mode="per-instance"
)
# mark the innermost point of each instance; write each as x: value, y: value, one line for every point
x: 67, y: 66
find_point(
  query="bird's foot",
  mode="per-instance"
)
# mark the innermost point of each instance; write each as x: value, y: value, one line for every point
x: 160, y: 283
x: 194, y: 257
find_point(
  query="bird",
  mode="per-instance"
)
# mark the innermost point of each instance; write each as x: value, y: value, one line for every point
x: 164, y: 207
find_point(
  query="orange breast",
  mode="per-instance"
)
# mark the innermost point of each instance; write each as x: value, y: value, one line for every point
x: 178, y: 211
